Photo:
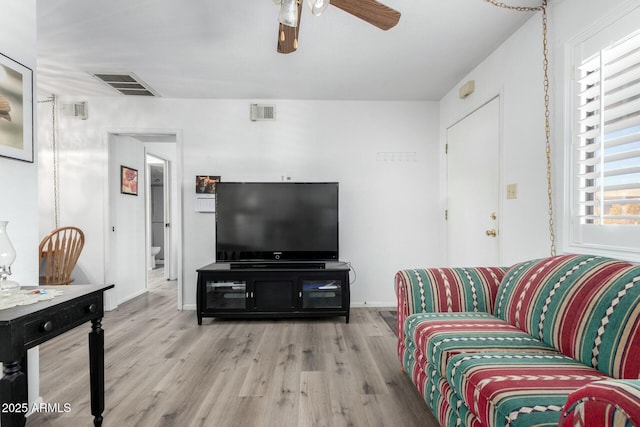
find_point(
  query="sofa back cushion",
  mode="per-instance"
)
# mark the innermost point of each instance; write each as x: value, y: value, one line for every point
x: 436, y: 290
x: 586, y: 307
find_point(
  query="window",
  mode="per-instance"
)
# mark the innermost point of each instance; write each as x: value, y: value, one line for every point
x: 606, y: 143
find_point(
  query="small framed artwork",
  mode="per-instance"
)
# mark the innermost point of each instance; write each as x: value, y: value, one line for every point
x: 16, y: 110
x: 206, y: 184
x: 128, y: 180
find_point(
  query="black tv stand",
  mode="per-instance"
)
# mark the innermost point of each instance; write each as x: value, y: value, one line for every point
x: 273, y: 289
x: 277, y: 265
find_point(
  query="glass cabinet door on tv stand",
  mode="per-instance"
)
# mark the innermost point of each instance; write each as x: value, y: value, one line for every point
x: 323, y: 293
x: 279, y: 290
x: 226, y: 295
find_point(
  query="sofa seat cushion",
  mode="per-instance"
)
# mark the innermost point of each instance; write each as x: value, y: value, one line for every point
x: 516, y: 389
x: 435, y: 337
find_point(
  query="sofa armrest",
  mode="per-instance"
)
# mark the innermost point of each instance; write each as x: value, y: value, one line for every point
x: 603, y: 404
x: 430, y: 290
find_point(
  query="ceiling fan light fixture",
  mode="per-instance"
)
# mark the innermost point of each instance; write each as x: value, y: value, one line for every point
x: 289, y: 13
x: 318, y: 6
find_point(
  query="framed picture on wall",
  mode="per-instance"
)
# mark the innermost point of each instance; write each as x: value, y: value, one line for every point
x: 128, y: 180
x: 16, y: 110
x: 206, y: 184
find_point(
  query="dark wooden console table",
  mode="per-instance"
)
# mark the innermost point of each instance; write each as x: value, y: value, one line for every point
x: 27, y: 326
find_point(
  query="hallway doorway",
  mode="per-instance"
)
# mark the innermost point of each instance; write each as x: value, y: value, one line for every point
x: 134, y: 233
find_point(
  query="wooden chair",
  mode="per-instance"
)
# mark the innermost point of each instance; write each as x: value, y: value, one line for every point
x: 59, y: 253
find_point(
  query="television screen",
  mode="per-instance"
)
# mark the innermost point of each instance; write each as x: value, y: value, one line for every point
x: 276, y: 221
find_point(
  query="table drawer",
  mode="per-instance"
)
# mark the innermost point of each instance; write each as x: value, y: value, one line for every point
x: 51, y: 323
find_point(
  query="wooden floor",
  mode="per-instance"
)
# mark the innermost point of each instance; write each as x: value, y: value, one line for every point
x: 162, y: 369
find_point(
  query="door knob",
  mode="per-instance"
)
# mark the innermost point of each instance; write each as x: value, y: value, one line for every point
x: 492, y: 233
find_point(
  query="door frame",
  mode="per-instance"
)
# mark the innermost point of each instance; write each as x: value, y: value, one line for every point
x: 176, y: 220
x: 500, y: 204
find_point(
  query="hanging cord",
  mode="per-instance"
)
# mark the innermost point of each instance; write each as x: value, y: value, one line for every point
x: 547, y: 114
x: 54, y: 149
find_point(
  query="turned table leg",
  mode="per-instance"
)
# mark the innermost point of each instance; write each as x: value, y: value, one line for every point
x: 96, y: 370
x: 13, y: 395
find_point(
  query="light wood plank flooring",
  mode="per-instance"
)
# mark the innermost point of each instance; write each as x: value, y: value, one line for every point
x: 162, y: 369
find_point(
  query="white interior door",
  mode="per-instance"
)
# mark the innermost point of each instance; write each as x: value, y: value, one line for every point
x: 126, y: 265
x: 473, y: 188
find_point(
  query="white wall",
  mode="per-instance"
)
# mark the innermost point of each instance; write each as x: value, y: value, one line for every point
x: 19, y: 179
x: 514, y: 72
x: 387, y: 212
x: 391, y: 212
x: 19, y: 199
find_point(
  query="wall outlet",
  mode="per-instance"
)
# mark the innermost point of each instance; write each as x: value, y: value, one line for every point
x: 512, y: 191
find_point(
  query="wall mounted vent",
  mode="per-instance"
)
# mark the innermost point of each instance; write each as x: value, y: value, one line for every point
x: 262, y: 112
x: 127, y: 84
x: 76, y: 110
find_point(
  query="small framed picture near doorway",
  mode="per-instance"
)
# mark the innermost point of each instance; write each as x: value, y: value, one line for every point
x: 206, y: 184
x: 16, y: 110
x: 128, y: 180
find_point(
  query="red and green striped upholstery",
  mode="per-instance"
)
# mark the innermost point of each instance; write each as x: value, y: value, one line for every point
x: 603, y: 403
x: 439, y: 336
x: 448, y: 408
x: 487, y: 347
x: 586, y: 307
x: 433, y: 290
x: 517, y: 389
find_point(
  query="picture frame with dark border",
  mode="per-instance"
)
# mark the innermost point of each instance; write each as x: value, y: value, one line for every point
x: 128, y: 180
x: 206, y: 184
x: 16, y: 110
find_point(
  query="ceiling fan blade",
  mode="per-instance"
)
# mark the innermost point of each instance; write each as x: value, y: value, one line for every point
x: 288, y: 36
x: 371, y: 11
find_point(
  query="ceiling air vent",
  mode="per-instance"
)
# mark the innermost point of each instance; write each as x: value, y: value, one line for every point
x: 263, y: 112
x: 127, y: 84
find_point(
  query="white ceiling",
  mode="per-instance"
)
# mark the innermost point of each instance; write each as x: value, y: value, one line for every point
x: 226, y: 49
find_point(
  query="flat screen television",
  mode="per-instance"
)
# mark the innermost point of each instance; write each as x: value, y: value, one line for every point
x: 277, y: 221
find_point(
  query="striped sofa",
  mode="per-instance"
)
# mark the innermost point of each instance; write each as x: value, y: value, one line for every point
x: 547, y: 342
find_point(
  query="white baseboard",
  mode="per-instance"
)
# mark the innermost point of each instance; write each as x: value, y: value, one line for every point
x: 132, y: 296
x: 373, y: 304
x: 35, y: 403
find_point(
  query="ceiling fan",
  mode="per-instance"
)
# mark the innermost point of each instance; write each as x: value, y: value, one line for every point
x: 371, y: 11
